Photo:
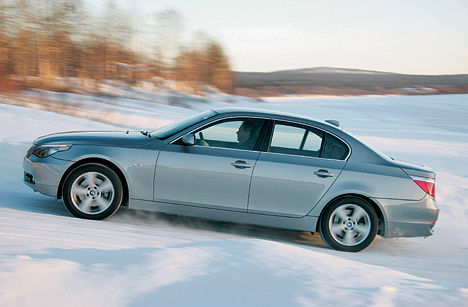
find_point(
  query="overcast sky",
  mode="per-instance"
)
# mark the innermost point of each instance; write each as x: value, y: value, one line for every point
x: 403, y: 36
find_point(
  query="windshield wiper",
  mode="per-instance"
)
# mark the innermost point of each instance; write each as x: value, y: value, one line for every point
x: 146, y: 133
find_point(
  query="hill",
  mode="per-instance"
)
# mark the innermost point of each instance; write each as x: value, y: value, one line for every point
x: 341, y: 81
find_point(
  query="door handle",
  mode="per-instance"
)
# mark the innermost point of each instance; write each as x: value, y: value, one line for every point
x: 323, y: 173
x: 241, y: 164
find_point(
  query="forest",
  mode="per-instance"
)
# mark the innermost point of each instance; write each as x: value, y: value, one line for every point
x: 44, y: 40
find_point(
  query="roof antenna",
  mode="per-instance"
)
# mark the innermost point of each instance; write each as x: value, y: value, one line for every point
x: 334, y: 122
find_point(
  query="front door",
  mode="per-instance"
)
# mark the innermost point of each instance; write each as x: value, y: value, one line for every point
x: 213, y: 173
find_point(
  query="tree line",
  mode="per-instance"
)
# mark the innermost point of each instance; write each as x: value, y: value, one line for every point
x: 67, y: 38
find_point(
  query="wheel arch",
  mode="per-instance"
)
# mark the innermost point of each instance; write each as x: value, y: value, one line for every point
x: 375, y: 206
x: 101, y: 161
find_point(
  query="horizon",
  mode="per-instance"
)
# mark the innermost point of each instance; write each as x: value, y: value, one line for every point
x: 349, y: 69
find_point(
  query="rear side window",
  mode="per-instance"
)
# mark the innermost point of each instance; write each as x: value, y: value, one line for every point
x: 335, y: 148
x: 293, y: 139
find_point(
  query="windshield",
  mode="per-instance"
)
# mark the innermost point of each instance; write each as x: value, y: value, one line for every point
x: 180, y: 125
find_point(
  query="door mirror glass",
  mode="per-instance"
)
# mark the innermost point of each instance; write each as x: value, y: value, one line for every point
x: 188, y: 139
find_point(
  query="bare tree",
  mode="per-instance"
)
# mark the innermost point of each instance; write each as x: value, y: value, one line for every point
x: 5, y: 24
x: 168, y: 32
x: 207, y: 64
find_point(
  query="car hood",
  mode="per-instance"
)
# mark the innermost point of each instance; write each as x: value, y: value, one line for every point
x: 103, y: 138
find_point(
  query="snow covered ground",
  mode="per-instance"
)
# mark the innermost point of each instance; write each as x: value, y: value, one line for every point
x: 48, y: 258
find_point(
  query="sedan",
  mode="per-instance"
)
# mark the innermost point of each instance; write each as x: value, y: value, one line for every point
x: 243, y: 166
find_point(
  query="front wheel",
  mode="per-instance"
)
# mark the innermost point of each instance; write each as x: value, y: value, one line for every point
x: 92, y: 191
x: 349, y: 224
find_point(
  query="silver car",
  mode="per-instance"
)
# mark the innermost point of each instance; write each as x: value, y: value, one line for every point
x: 242, y: 166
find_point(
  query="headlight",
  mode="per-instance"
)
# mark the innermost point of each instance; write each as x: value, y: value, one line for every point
x: 43, y: 151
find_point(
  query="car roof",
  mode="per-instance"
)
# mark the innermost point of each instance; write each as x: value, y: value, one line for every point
x: 271, y: 114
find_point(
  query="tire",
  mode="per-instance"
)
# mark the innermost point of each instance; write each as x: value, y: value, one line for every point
x: 92, y: 191
x: 349, y: 224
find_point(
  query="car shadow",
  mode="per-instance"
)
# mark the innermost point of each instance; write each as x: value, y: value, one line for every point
x: 146, y: 218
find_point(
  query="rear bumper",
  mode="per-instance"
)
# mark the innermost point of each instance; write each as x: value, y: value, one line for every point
x: 409, y: 230
x: 405, y: 218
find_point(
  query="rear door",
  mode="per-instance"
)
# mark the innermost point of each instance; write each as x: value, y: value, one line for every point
x: 298, y: 167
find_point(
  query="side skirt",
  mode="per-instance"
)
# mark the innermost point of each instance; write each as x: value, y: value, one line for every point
x: 306, y: 223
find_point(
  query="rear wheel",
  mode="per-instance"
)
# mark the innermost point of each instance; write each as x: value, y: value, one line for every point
x: 349, y: 224
x: 92, y: 191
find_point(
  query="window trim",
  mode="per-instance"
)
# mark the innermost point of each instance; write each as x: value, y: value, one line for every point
x: 268, y: 135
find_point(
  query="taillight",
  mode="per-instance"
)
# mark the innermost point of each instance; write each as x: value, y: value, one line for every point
x: 427, y: 184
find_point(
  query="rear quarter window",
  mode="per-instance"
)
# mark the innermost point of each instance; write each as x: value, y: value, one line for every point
x: 335, y: 148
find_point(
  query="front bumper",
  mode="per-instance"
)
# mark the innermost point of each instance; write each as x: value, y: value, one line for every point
x: 409, y: 218
x: 44, y: 176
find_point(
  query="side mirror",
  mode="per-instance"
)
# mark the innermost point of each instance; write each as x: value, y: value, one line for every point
x: 188, y: 139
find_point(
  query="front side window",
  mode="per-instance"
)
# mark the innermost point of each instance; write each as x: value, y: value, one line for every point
x: 237, y: 134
